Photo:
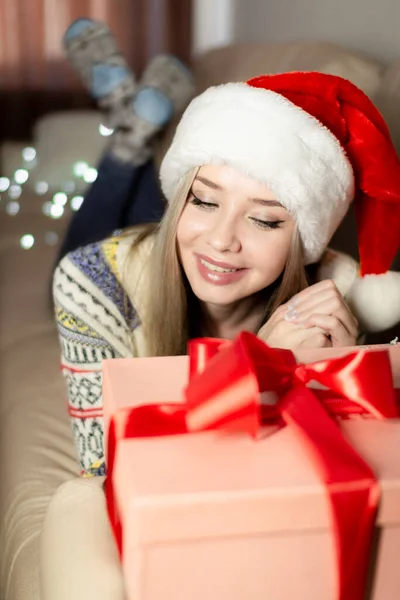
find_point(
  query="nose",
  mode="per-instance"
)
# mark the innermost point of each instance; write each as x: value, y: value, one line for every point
x: 223, y: 235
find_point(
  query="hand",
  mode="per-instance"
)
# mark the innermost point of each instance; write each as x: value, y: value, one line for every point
x: 281, y: 333
x: 316, y: 313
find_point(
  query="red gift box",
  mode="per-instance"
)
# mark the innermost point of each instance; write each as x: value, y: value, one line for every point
x: 226, y: 396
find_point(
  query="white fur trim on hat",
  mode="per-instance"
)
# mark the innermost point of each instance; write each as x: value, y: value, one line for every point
x: 375, y: 300
x: 268, y: 138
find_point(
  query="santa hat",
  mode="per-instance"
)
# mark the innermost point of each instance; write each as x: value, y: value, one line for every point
x: 318, y: 143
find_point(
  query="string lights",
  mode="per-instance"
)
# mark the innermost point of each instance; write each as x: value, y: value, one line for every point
x: 12, y: 187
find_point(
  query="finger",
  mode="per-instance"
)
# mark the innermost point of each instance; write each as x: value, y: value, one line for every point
x: 339, y: 334
x: 316, y: 295
x: 316, y: 288
x: 318, y: 340
x: 288, y: 335
x: 333, y: 306
x: 276, y: 316
x: 324, y: 304
x: 314, y: 299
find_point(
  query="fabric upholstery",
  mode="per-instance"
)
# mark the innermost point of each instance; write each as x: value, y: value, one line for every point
x: 36, y: 447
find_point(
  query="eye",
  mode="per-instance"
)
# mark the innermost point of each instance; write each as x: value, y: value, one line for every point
x: 201, y: 204
x: 266, y: 224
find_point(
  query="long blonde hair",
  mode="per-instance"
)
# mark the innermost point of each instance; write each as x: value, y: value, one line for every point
x: 168, y: 303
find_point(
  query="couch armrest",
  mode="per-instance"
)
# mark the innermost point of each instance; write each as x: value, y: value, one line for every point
x: 79, y: 559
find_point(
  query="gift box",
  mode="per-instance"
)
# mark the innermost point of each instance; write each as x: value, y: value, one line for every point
x: 215, y: 514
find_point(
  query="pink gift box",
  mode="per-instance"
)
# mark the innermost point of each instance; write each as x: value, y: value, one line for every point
x: 209, y: 516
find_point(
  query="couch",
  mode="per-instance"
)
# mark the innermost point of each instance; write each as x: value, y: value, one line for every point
x: 55, y: 542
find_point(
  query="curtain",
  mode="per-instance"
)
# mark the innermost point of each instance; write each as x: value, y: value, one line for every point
x: 34, y: 74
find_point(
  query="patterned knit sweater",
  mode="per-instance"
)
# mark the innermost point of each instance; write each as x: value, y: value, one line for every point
x: 97, y: 321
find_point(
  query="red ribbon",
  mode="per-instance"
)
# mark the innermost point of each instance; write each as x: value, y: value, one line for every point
x: 226, y: 380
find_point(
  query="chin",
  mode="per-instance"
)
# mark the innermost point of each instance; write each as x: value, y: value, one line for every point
x: 218, y: 297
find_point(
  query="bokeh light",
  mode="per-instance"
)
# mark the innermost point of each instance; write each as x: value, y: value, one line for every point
x: 12, y: 208
x: 27, y: 241
x: 29, y: 154
x: 60, y: 198
x: 90, y: 175
x: 4, y: 184
x: 41, y: 188
x: 56, y: 211
x: 14, y: 191
x: 105, y: 131
x: 80, y: 168
x: 21, y: 176
x: 76, y: 202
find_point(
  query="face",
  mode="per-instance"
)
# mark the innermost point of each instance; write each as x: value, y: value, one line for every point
x: 233, y: 236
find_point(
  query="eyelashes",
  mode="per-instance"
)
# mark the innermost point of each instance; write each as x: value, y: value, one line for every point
x: 201, y: 204
x: 208, y: 206
x: 267, y: 224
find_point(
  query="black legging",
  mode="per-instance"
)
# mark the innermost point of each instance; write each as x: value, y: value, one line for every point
x: 122, y: 195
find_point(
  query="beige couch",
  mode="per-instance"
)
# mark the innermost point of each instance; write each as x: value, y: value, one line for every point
x: 53, y: 526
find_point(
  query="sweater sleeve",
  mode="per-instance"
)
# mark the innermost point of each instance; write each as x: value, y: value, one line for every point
x: 95, y: 322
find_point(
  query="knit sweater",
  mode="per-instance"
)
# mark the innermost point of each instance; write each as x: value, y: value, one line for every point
x: 97, y: 321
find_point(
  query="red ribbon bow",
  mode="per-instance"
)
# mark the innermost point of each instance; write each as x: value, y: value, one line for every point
x: 226, y: 379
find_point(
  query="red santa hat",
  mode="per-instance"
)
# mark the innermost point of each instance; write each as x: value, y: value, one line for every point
x: 318, y: 143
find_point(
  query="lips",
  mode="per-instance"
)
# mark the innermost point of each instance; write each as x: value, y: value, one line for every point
x: 218, y: 273
x: 218, y: 263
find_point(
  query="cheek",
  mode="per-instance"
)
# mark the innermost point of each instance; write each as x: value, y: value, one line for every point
x: 270, y: 256
x: 190, y: 227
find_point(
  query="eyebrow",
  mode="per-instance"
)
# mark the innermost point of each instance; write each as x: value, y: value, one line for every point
x: 266, y: 202
x: 209, y: 183
x: 215, y: 186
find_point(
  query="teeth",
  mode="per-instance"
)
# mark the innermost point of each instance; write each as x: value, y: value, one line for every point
x: 215, y: 268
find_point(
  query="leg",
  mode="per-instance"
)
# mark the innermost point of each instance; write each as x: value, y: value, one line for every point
x: 126, y: 191
x: 106, y: 204
x: 148, y: 205
x: 93, y: 52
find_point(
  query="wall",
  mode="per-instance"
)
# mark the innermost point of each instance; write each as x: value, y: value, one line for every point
x: 372, y: 26
x: 213, y: 24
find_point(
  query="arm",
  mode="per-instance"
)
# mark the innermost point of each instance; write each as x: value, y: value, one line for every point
x: 93, y: 324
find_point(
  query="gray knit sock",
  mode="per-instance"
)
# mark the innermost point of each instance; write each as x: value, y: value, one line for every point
x: 92, y: 50
x: 165, y: 90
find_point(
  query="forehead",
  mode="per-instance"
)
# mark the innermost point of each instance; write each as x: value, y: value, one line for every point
x: 231, y: 180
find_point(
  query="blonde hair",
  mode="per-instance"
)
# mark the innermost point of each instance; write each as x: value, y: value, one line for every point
x: 169, y: 298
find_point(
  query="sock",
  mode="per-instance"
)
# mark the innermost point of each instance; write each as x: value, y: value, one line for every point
x: 92, y: 50
x: 165, y: 90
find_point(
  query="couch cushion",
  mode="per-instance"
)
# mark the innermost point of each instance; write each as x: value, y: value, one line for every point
x: 37, y: 454
x: 242, y: 61
x: 36, y: 448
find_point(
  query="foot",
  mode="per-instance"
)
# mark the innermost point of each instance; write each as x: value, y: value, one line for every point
x: 165, y: 90
x: 92, y: 50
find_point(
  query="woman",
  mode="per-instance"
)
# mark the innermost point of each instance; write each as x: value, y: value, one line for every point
x: 258, y: 178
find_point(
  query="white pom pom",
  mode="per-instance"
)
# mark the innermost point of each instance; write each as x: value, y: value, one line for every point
x: 375, y: 301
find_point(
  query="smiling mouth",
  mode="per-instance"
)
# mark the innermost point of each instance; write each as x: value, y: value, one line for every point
x: 212, y: 267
